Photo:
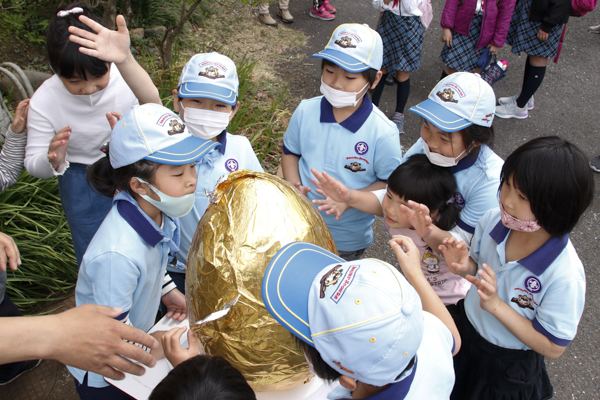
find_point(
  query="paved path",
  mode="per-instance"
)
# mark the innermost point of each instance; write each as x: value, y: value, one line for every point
x: 566, y: 105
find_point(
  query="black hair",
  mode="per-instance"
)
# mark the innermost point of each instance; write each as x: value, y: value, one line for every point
x: 203, y: 378
x: 106, y: 179
x: 370, y: 74
x: 64, y: 56
x: 554, y: 175
x: 419, y: 180
x: 321, y: 368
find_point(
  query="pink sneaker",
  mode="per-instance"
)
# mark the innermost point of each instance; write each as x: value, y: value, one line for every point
x: 328, y: 7
x: 321, y: 14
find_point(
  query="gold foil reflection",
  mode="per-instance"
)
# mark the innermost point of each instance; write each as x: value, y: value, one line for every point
x: 253, y: 215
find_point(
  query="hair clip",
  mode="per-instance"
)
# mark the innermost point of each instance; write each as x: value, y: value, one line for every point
x: 104, y: 148
x: 450, y: 201
x: 74, y: 10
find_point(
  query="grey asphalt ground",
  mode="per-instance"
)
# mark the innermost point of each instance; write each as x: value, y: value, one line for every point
x: 567, y: 105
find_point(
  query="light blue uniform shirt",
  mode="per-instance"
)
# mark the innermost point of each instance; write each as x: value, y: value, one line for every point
x: 432, y: 377
x: 546, y: 287
x: 235, y: 153
x: 477, y: 184
x: 124, y: 266
x: 359, y: 151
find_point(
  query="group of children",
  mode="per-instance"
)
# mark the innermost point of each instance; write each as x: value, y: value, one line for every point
x: 482, y: 244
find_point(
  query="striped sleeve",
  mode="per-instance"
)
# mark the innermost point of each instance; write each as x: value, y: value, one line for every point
x: 168, y: 284
x: 11, y: 158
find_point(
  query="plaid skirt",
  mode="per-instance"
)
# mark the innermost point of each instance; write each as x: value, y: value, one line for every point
x: 402, y: 39
x: 463, y: 55
x: 522, y: 34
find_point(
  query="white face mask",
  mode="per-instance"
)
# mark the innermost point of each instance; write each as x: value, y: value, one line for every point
x: 91, y: 99
x: 175, y: 207
x: 440, y: 160
x: 205, y: 124
x: 339, y: 98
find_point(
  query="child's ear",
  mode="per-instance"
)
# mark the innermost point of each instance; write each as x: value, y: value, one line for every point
x: 377, y: 79
x: 235, y: 109
x: 175, y: 100
x: 348, y: 383
x: 137, y: 186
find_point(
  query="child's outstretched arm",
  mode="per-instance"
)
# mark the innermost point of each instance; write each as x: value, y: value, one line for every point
x: 419, y: 217
x: 172, y: 347
x: 411, y: 268
x: 335, y: 190
x: 518, y: 325
x: 457, y: 257
x: 113, y: 46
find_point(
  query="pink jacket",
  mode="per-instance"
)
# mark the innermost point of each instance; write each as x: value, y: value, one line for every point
x: 496, y: 19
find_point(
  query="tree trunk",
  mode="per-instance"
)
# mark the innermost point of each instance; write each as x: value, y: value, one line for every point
x: 110, y: 13
x: 166, y: 48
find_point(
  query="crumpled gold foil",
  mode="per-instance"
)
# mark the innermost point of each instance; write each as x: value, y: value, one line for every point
x: 253, y: 215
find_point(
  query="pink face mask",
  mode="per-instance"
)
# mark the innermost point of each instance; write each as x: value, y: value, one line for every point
x: 516, y: 224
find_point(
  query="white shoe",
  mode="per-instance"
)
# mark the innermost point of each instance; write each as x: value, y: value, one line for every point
x: 506, y: 100
x: 511, y: 110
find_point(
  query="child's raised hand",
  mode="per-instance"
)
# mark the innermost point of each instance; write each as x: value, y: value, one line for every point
x: 175, y: 303
x: 328, y: 186
x: 457, y: 255
x: 331, y: 207
x: 9, y: 252
x: 171, y: 344
x: 113, y: 117
x: 20, y: 121
x: 419, y: 218
x: 302, y: 189
x: 107, y: 45
x: 408, y: 255
x: 57, y: 150
x: 487, y: 288
x: 447, y: 37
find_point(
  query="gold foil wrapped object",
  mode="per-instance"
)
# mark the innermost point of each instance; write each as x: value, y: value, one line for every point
x: 253, y: 215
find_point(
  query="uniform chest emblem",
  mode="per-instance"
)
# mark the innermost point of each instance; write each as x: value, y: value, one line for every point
x: 523, y: 301
x: 533, y: 284
x: 459, y: 200
x: 361, y: 148
x: 355, y: 167
x: 231, y: 165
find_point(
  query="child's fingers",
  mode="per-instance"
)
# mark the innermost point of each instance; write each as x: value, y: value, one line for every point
x: 473, y: 279
x: 121, y: 24
x: 91, y: 23
x: 193, y: 342
x: 90, y: 44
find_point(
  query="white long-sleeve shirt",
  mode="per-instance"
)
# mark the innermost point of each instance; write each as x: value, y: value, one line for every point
x: 53, y: 108
x: 405, y: 8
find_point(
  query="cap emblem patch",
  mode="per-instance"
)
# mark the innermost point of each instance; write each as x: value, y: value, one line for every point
x: 345, y: 42
x: 330, y: 278
x: 211, y: 72
x: 176, y: 127
x: 447, y: 96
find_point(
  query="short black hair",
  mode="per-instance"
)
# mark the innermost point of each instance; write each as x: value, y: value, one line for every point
x: 321, y: 368
x: 555, y: 177
x: 370, y: 74
x: 64, y: 56
x: 419, y: 180
x: 202, y: 378
x: 106, y: 179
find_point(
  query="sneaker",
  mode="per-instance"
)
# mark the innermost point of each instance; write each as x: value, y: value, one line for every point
x: 389, y: 80
x: 505, y: 100
x: 595, y: 163
x: 398, y: 119
x: 25, y: 367
x: 594, y: 29
x: 511, y: 110
x: 267, y: 19
x: 328, y: 7
x: 322, y: 14
x: 285, y: 16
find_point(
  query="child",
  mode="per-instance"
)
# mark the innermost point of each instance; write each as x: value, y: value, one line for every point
x: 322, y: 10
x: 468, y: 27
x: 151, y: 165
x: 529, y: 291
x: 402, y: 32
x: 418, y: 195
x: 66, y: 123
x: 535, y: 29
x: 457, y: 134
x: 362, y: 321
x: 206, y: 104
x: 343, y: 134
x: 198, y: 376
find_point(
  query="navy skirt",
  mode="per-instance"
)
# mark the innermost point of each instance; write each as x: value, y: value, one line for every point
x: 463, y: 54
x: 402, y: 39
x: 522, y: 34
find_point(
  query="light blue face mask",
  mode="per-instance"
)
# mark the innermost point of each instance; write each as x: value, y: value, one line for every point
x: 175, y: 207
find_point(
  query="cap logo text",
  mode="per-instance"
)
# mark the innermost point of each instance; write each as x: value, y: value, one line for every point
x: 164, y: 118
x: 346, y: 282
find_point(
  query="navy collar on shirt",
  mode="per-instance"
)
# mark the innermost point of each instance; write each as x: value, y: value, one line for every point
x: 398, y: 390
x: 538, y: 261
x: 463, y: 164
x: 223, y: 140
x: 354, y: 122
x: 139, y: 223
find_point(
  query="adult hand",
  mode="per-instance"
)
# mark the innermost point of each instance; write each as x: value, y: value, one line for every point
x: 88, y: 337
x: 57, y: 150
x: 175, y: 303
x: 172, y: 347
x: 9, y: 252
x: 107, y: 45
x: 20, y: 121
